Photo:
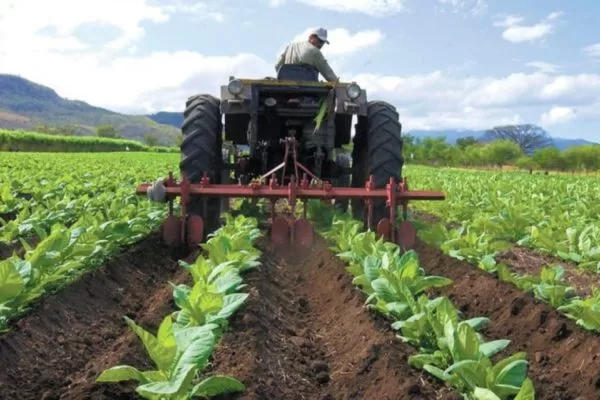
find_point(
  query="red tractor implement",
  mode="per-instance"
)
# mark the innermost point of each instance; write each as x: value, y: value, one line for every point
x: 294, y: 128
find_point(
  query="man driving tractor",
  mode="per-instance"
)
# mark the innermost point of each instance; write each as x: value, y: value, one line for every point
x: 308, y: 52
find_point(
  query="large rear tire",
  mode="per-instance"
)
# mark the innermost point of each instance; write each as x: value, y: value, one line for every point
x: 201, y: 151
x: 377, y: 151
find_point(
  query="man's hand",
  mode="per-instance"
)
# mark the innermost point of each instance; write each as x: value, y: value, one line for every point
x: 157, y: 192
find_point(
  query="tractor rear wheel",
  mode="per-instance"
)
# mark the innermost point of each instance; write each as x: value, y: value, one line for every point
x: 201, y: 151
x: 377, y: 151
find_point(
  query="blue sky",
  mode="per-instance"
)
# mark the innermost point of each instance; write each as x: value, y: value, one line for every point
x: 446, y: 64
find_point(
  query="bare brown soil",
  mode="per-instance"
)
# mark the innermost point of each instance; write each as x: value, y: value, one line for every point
x: 527, y: 261
x: 58, y: 350
x: 8, y: 249
x: 523, y: 260
x: 563, y: 358
x: 304, y: 334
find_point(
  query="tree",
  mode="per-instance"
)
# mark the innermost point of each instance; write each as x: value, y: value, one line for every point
x: 463, y: 143
x: 529, y: 137
x: 107, y: 131
x: 525, y: 162
x: 150, y: 139
x: 433, y: 150
x: 548, y: 158
x: 502, y: 152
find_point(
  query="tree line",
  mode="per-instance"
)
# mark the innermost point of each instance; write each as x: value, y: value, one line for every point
x: 526, y: 147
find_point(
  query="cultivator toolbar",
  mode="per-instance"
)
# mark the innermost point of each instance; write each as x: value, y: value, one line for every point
x: 286, y: 229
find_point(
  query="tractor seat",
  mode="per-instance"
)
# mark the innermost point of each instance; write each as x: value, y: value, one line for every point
x: 298, y: 72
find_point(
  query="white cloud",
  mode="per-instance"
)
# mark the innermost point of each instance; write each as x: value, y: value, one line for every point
x: 592, y: 50
x: 558, y: 115
x: 343, y: 42
x: 543, y: 67
x: 121, y: 80
x: 374, y: 8
x: 465, y: 118
x: 201, y: 9
x: 474, y: 7
x: 554, y: 15
x: 510, y: 20
x: 436, y: 100
x: 65, y: 16
x: 516, y: 32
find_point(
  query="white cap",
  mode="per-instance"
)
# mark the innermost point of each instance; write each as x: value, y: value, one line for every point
x: 321, y: 34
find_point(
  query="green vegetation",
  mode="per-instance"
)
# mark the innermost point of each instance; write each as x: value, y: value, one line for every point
x: 187, y: 337
x: 497, y: 153
x: 491, y: 212
x: 39, y: 142
x: 80, y: 209
x: 558, y: 215
x: 27, y: 105
x: 449, y: 349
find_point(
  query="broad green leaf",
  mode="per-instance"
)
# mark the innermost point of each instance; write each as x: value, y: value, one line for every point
x: 217, y: 385
x: 527, y: 391
x: 484, y: 394
x: 437, y: 372
x: 231, y: 303
x: 470, y: 371
x: 488, y: 349
x: 121, y: 373
x: 11, y: 283
x: 466, y: 342
x: 513, y: 374
x: 160, y: 353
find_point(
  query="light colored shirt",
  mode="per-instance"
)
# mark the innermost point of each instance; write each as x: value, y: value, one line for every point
x: 305, y: 53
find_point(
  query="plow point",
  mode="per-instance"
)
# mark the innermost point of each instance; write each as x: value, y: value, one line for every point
x: 280, y: 231
x: 406, y: 235
x: 384, y: 228
x: 303, y: 234
x: 171, y: 231
x: 194, y: 230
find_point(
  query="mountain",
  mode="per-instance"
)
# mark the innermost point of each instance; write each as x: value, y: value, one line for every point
x: 27, y: 105
x: 168, y: 118
x: 453, y: 135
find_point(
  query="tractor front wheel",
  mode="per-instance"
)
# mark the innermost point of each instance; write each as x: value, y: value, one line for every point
x: 201, y: 152
x: 377, y: 151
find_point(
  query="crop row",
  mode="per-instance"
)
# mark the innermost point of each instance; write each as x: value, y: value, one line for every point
x: 186, y: 338
x: 25, y: 141
x: 80, y: 210
x: 493, y: 212
x: 557, y: 214
x: 449, y: 348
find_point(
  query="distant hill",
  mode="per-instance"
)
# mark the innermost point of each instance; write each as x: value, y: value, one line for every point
x: 27, y: 105
x: 168, y: 118
x: 453, y: 135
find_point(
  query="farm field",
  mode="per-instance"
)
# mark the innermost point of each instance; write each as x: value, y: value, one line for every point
x: 79, y: 252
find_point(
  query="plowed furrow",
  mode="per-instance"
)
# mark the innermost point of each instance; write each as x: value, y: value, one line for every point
x: 304, y: 334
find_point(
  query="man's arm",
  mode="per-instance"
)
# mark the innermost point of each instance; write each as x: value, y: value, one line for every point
x: 280, y: 60
x: 323, y: 67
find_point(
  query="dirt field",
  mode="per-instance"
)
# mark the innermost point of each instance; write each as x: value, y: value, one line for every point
x: 303, y: 334
x: 563, y: 358
x: 58, y: 350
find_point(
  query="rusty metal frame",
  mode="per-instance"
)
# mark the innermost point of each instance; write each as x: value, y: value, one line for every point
x: 395, y: 193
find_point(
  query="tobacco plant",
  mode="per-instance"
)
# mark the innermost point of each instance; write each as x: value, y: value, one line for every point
x: 187, y: 337
x: 449, y: 349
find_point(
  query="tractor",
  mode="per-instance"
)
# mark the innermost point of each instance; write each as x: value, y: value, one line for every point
x: 294, y: 128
